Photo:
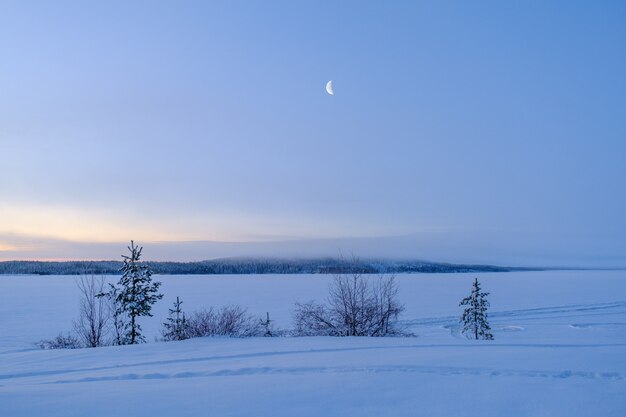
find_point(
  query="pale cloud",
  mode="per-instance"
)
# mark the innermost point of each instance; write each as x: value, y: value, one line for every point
x: 116, y: 223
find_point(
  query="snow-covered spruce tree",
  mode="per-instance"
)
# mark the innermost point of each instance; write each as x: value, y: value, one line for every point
x: 134, y: 296
x: 474, y: 322
x: 175, y: 326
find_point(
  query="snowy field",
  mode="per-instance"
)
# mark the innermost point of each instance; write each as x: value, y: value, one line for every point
x: 559, y: 350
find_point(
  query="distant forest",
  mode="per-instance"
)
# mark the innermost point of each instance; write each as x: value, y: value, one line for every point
x: 248, y: 266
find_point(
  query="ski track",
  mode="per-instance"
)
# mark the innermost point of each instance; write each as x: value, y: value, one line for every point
x: 611, y: 326
x: 532, y: 313
x: 444, y: 371
x: 14, y: 376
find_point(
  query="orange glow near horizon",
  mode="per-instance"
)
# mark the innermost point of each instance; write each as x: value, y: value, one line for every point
x: 97, y: 226
x: 36, y: 223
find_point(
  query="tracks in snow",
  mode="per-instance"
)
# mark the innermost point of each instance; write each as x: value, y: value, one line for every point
x: 208, y: 359
x: 530, y: 313
x: 434, y: 370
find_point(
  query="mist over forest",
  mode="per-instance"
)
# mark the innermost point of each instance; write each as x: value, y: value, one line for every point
x: 250, y: 266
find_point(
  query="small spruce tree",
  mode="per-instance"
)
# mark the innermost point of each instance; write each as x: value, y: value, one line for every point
x: 474, y: 322
x: 133, y: 296
x: 175, y: 326
x: 267, y: 326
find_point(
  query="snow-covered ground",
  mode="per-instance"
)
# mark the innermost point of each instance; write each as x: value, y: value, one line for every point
x: 559, y: 350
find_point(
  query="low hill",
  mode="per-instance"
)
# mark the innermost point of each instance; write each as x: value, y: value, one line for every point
x: 249, y: 266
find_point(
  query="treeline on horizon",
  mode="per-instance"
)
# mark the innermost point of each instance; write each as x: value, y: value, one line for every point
x: 247, y: 266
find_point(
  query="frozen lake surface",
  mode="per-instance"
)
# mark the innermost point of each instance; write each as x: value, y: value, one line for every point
x: 559, y: 350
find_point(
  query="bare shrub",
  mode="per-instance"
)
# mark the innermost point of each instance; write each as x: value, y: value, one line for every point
x: 313, y: 319
x: 61, y: 342
x: 387, y: 308
x: 91, y: 327
x: 201, y: 323
x: 233, y: 321
x: 357, y: 306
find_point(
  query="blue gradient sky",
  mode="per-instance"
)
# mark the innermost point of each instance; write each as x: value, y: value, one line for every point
x: 488, y: 132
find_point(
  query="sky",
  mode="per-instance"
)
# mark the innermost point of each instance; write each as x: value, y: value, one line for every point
x: 489, y: 131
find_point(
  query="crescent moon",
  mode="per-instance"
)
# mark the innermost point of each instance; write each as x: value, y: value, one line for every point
x: 329, y: 88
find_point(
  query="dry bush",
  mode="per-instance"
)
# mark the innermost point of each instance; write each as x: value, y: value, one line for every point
x: 61, y: 342
x: 357, y: 306
x: 92, y: 327
x: 233, y: 321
